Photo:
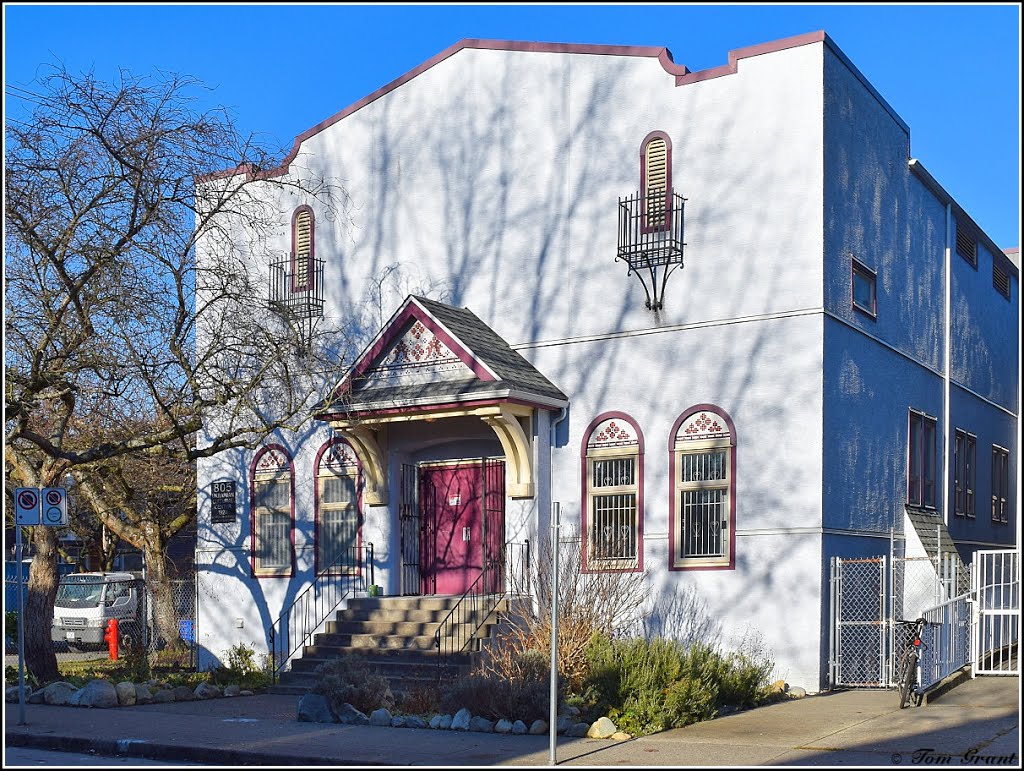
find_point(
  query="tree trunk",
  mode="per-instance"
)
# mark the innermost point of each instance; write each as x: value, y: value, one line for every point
x: 40, y: 658
x: 158, y: 584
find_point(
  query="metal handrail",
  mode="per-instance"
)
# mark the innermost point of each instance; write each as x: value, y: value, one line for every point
x: 949, y: 629
x: 479, y: 601
x: 300, y: 620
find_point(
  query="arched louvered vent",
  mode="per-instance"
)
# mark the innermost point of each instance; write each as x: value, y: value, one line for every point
x: 656, y: 181
x: 303, y: 248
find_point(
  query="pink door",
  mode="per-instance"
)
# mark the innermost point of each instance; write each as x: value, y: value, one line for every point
x: 452, y: 542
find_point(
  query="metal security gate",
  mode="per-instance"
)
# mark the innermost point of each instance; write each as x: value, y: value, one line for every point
x: 870, y: 596
x: 409, y: 523
x: 857, y: 645
x: 995, y: 627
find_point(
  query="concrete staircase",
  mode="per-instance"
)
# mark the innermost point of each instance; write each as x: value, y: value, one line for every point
x: 394, y: 634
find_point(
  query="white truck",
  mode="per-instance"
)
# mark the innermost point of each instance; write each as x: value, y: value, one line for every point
x: 87, y: 601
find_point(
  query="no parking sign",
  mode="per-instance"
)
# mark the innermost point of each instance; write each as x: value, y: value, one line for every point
x: 26, y: 505
x: 46, y: 507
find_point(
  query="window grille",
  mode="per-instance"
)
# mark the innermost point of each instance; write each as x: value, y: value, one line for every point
x: 966, y: 246
x: 273, y: 524
x: 703, y: 520
x: 1000, y: 279
x: 612, y: 470
x: 338, y: 523
x: 613, y: 527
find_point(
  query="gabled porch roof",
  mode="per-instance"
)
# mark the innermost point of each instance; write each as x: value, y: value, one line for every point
x: 432, y: 361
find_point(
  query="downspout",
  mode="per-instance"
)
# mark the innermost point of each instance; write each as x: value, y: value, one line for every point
x: 562, y: 414
x: 947, y: 314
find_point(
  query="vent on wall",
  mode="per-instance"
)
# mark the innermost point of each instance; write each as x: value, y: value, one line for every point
x: 966, y: 246
x: 1001, y: 280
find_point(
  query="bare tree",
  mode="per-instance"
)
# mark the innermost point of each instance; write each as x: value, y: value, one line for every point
x: 119, y: 341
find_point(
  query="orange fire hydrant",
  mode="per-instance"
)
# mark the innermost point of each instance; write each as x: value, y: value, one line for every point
x: 110, y: 638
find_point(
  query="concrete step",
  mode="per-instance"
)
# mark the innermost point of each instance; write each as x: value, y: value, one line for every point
x: 403, y: 628
x: 399, y: 615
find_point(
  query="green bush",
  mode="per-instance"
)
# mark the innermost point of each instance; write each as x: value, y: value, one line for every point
x: 350, y: 679
x: 650, y: 685
x: 241, y: 669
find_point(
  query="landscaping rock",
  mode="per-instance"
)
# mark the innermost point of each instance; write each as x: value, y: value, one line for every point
x: 461, y: 720
x: 380, y: 717
x: 503, y: 726
x: 519, y: 728
x: 143, y: 695
x: 578, y: 730
x: 446, y: 722
x: 163, y: 696
x: 36, y: 697
x: 415, y: 721
x: 58, y: 693
x: 572, y: 711
x: 779, y: 686
x: 232, y: 690
x: 11, y: 694
x: 313, y: 708
x: 538, y: 728
x: 245, y: 693
x: 349, y: 715
x: 620, y: 736
x: 481, y: 725
x: 435, y: 721
x: 796, y: 692
x: 183, y: 693
x: 126, y: 694
x: 398, y: 721
x: 206, y: 691
x: 564, y: 724
x: 602, y: 728
x: 97, y: 693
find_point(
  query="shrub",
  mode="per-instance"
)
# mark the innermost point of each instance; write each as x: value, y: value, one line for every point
x: 650, y: 685
x: 419, y: 700
x: 350, y: 679
x: 495, y: 697
x: 241, y: 669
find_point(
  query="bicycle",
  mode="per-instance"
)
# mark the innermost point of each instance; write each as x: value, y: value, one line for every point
x: 910, y: 666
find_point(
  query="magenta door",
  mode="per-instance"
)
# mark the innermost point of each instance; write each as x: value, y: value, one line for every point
x: 453, y: 546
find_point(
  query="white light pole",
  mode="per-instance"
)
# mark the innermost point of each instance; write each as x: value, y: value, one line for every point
x: 555, y: 526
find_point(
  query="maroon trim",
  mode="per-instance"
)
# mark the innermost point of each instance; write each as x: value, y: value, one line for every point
x: 472, y: 403
x: 312, y: 246
x: 316, y: 502
x: 672, y: 488
x: 252, y: 510
x: 644, y: 227
x: 584, y: 478
x: 396, y: 327
x: 745, y: 53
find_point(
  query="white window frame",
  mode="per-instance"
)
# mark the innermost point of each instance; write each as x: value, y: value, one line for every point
x: 324, y: 473
x: 282, y: 477
x: 696, y: 447
x: 597, y: 455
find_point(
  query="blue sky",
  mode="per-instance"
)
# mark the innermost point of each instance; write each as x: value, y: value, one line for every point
x: 951, y: 71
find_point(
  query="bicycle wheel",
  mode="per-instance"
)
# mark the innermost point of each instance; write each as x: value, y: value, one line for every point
x: 908, y: 675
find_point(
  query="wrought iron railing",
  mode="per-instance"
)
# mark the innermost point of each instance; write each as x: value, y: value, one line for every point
x: 651, y: 239
x: 351, y: 570
x: 297, y: 287
x: 507, y: 573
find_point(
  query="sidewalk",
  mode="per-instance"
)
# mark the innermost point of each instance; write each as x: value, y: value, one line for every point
x: 844, y: 728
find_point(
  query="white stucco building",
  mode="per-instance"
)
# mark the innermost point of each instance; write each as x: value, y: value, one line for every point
x: 831, y: 327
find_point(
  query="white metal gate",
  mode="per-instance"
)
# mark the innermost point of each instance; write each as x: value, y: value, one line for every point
x: 995, y: 627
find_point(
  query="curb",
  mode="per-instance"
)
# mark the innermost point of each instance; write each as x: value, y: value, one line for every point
x: 143, y: 748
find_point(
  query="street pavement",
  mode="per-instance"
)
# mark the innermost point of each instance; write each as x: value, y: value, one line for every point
x: 978, y: 722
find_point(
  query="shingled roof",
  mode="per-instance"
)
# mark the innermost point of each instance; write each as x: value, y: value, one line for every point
x: 492, y: 369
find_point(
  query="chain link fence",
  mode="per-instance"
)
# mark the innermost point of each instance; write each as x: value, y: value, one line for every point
x: 183, y: 604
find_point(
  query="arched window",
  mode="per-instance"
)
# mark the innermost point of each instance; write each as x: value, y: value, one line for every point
x: 702, y: 468
x: 612, y: 459
x: 273, y: 512
x: 338, y: 520
x: 302, y: 249
x: 656, y: 180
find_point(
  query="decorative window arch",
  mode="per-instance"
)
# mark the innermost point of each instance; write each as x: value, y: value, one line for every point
x: 303, y: 244
x: 702, y: 500
x: 612, y: 495
x: 337, y: 508
x: 272, y: 508
x: 656, y: 181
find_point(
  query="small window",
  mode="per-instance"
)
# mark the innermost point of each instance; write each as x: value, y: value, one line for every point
x: 921, y: 460
x: 1000, y: 484
x: 302, y: 248
x: 864, y: 289
x: 272, y: 497
x: 613, y: 470
x: 966, y: 246
x: 964, y: 461
x: 1001, y: 279
x: 703, y: 488
x: 656, y: 180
